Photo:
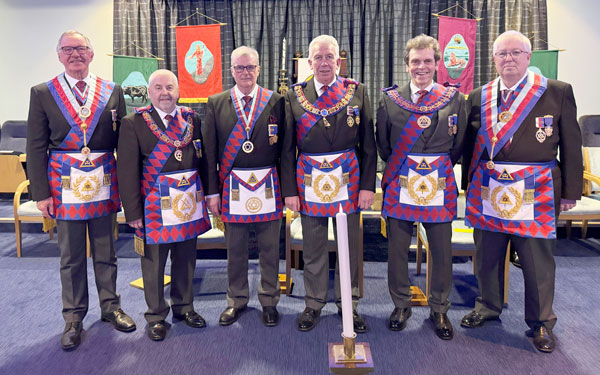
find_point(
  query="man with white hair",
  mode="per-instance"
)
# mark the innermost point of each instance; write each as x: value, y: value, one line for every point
x: 518, y: 125
x: 243, y: 132
x: 161, y: 177
x: 329, y: 122
x: 72, y: 132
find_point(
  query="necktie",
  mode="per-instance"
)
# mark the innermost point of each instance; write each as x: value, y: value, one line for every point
x: 80, y: 92
x: 247, y: 100
x: 506, y: 96
x: 324, y: 89
x: 169, y: 118
x: 422, y: 94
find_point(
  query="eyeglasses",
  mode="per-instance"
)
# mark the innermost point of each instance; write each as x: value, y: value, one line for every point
x: 69, y: 50
x: 248, y: 68
x: 514, y: 54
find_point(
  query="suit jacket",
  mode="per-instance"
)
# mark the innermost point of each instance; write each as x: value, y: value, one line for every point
x: 220, y: 119
x: 391, y: 119
x: 338, y: 137
x: 558, y: 101
x: 47, y: 128
x: 136, y: 142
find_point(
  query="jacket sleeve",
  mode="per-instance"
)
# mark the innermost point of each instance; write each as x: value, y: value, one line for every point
x: 129, y: 169
x: 38, y: 139
x: 211, y: 148
x: 367, y: 148
x: 288, y: 150
x: 571, y: 162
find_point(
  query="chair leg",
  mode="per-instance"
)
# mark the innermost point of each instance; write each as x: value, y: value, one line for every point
x: 419, y: 253
x: 87, y: 242
x: 429, y: 271
x: 506, y: 273
x: 584, y: 226
x: 568, y: 226
x: 18, y: 235
x: 360, y: 256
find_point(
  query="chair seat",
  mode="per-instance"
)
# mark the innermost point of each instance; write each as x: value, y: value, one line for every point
x: 296, y: 231
x: 585, y: 206
x: 29, y: 208
x: 462, y: 236
x: 212, y: 236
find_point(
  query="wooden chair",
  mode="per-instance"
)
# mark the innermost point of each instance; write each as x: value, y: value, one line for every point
x: 293, y: 246
x: 27, y: 211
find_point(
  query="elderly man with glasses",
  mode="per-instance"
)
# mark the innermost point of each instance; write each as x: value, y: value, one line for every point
x: 243, y: 133
x: 518, y: 125
x: 72, y: 133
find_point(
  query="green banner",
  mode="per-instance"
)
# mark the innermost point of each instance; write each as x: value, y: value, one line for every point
x: 132, y: 74
x: 545, y: 63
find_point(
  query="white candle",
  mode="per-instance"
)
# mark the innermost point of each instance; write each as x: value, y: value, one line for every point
x: 344, y: 263
x: 283, y: 55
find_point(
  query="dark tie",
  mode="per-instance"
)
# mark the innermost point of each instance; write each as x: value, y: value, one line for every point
x: 422, y: 94
x: 324, y: 89
x: 169, y: 118
x: 79, y: 91
x: 247, y: 100
x: 506, y: 96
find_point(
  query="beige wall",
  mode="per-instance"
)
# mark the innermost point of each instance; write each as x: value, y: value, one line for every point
x: 30, y: 29
x: 574, y: 25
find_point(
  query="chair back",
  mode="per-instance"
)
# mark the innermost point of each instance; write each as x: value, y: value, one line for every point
x: 590, y: 130
x: 14, y: 136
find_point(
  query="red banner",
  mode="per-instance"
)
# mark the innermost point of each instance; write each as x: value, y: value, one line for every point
x: 457, y: 38
x: 198, y: 62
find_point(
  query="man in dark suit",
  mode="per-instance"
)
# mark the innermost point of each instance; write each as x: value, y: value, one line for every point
x: 420, y: 130
x: 518, y: 125
x: 72, y: 131
x: 161, y: 174
x: 245, y: 191
x: 329, y: 121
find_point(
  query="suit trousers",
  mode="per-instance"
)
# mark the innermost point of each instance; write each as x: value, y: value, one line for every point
x: 183, y: 263
x: 439, y: 235
x: 537, y: 263
x: 73, y: 265
x: 267, y: 236
x: 316, y: 260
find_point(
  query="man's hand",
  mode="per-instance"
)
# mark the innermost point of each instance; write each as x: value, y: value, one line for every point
x: 137, y: 224
x: 365, y: 199
x: 566, y: 204
x: 47, y: 208
x: 214, y: 205
x: 293, y: 203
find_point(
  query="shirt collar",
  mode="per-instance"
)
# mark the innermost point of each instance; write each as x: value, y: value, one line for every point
x: 239, y: 95
x: 503, y: 86
x: 73, y: 81
x: 163, y: 114
x: 414, y: 89
x: 318, y: 85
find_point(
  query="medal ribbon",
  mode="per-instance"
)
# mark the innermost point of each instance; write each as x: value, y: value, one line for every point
x: 99, y: 93
x: 336, y: 98
x: 238, y: 134
x: 438, y: 97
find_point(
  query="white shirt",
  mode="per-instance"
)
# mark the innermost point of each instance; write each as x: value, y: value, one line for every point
x: 239, y: 95
x: 319, y: 85
x: 503, y: 86
x: 164, y: 114
x: 73, y: 81
x: 414, y: 96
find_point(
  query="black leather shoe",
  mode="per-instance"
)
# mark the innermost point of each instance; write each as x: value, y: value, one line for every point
x: 399, y: 317
x: 270, y: 316
x: 308, y: 319
x: 121, y: 321
x: 71, y: 337
x: 230, y: 316
x: 543, y: 339
x: 157, y: 331
x: 514, y: 258
x: 443, y: 327
x: 359, y: 323
x: 474, y: 320
x: 192, y: 319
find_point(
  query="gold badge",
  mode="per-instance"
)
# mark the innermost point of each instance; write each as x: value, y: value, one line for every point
x: 184, y: 206
x: 504, y: 116
x: 423, y: 193
x: 86, y: 189
x: 424, y: 165
x: 324, y: 190
x: 253, y: 205
x: 423, y: 122
x: 510, y: 207
x: 252, y: 180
